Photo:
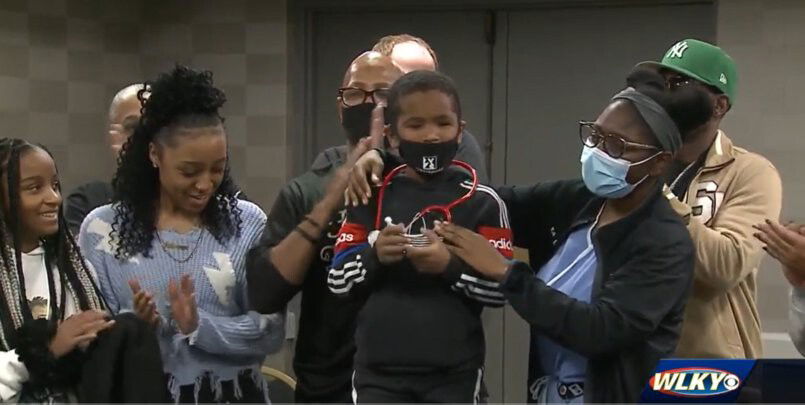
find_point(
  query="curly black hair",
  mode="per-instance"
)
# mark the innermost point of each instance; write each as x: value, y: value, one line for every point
x: 416, y: 81
x: 181, y: 98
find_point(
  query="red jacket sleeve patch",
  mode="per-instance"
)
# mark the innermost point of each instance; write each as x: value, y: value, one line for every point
x: 350, y: 235
x: 500, y: 238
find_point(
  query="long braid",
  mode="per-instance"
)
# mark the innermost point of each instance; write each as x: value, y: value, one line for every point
x: 71, y: 263
x: 7, y: 301
x: 12, y: 287
x: 81, y: 279
x: 13, y: 182
x: 60, y: 249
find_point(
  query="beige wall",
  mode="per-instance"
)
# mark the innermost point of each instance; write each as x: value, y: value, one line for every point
x: 767, y: 41
x: 61, y: 62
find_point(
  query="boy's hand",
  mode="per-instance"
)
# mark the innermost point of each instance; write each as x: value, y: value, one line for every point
x: 430, y: 259
x: 391, y: 245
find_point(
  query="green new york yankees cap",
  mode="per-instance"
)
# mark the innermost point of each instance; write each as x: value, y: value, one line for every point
x: 702, y: 61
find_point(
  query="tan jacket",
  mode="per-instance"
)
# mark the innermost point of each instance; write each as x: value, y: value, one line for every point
x: 734, y: 190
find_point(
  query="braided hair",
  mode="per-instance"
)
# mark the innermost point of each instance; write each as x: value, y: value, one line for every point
x: 180, y: 98
x: 60, y: 249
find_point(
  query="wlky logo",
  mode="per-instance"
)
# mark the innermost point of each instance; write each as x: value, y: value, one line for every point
x: 695, y: 382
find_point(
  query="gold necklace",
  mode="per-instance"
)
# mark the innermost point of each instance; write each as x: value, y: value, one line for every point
x: 168, y: 245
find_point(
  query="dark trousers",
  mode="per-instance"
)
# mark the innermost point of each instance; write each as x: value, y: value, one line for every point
x: 343, y: 395
x: 377, y: 387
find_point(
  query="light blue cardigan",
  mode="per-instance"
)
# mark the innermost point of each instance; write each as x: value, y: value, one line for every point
x: 229, y: 338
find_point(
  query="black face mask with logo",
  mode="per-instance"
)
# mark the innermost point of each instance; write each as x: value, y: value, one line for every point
x: 357, y: 121
x: 428, y: 158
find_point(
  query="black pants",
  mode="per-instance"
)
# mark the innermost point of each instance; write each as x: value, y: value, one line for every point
x: 376, y: 387
x: 341, y: 396
x: 250, y: 392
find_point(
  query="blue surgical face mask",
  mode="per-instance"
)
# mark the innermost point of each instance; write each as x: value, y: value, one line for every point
x: 605, y: 176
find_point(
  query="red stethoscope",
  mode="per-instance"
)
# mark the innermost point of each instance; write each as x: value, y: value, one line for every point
x: 444, y: 210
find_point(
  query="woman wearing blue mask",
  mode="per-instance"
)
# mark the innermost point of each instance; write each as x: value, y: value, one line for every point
x: 611, y: 264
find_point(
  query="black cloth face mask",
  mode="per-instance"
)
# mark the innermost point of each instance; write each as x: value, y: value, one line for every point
x: 357, y: 121
x: 428, y: 158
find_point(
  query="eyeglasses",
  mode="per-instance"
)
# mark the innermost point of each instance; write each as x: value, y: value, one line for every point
x: 352, y: 96
x: 676, y: 81
x: 613, y: 145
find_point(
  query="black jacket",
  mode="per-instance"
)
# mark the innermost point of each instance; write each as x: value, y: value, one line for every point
x: 124, y: 365
x: 324, y: 347
x: 83, y: 199
x: 414, y: 322
x: 643, y: 278
x: 470, y: 151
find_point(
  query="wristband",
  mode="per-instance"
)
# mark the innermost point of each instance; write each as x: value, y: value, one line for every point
x: 306, y: 235
x: 314, y: 223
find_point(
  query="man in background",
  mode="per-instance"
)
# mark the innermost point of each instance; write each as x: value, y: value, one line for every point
x: 296, y: 248
x: 124, y: 114
x: 722, y: 190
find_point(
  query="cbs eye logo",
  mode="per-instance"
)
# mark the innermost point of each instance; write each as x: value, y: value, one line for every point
x: 694, y: 382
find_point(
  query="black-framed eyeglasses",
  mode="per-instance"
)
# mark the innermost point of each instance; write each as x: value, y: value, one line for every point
x: 613, y: 145
x: 677, y: 81
x: 674, y: 82
x: 352, y: 96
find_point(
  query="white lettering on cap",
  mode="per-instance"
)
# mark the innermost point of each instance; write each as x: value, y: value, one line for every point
x: 677, y: 50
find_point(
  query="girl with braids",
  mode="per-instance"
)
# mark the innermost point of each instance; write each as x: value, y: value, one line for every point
x: 172, y: 245
x: 49, y: 304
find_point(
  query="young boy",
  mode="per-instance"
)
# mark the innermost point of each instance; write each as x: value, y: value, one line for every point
x: 419, y: 336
